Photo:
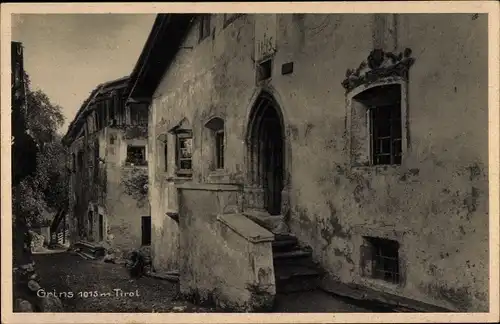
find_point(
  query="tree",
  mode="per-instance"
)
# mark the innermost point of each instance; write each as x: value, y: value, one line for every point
x: 45, y: 190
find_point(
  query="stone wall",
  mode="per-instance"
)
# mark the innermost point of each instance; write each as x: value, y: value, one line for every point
x: 435, y: 204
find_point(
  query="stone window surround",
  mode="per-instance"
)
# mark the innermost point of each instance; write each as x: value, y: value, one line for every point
x: 361, y: 231
x: 136, y: 146
x: 124, y: 144
x: 180, y: 133
x: 403, y: 83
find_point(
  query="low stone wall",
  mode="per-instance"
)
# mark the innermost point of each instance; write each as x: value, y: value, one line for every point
x: 225, y: 258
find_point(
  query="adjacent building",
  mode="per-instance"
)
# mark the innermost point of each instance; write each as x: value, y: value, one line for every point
x: 108, y: 184
x: 363, y: 137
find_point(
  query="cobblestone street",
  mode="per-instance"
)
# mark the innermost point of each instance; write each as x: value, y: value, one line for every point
x: 96, y: 286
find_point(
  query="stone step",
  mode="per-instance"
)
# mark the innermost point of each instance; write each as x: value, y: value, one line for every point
x: 95, y: 251
x: 288, y: 271
x: 285, y: 245
x: 291, y: 256
x: 86, y: 256
x: 284, y: 237
x: 296, y: 278
x: 296, y: 284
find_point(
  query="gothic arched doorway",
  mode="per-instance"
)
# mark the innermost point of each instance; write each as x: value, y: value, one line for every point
x: 266, y: 158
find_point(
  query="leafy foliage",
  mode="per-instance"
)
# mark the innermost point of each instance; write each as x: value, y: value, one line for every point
x: 46, y: 190
x: 136, y: 184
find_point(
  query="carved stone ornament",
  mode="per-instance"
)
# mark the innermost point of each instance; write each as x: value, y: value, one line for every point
x: 378, y: 65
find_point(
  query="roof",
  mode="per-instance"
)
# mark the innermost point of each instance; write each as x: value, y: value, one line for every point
x: 164, y: 40
x: 102, y: 90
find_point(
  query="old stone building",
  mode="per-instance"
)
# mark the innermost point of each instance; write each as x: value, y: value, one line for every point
x: 108, y: 183
x: 347, y: 148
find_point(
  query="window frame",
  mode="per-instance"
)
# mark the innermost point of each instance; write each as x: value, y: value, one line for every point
x: 183, y: 134
x: 366, y: 153
x: 129, y: 163
x: 220, y: 148
x: 385, y: 252
x: 394, y: 158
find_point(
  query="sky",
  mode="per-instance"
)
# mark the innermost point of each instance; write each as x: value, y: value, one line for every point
x: 68, y: 55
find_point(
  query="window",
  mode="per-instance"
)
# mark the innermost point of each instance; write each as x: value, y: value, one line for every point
x: 219, y: 149
x: 204, y: 27
x: 385, y: 124
x: 136, y: 155
x: 91, y: 223
x: 138, y: 115
x: 101, y: 227
x: 184, y: 150
x: 216, y: 127
x: 229, y: 18
x: 165, y: 156
x: 264, y: 70
x: 146, y: 230
x: 384, y: 259
x: 377, y: 113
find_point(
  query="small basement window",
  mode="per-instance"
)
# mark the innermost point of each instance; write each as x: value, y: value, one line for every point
x: 384, y: 257
x: 136, y: 155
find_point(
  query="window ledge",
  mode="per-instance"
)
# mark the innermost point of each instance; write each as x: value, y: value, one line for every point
x: 388, y: 168
x: 184, y: 174
x: 381, y: 285
x: 218, y: 173
x: 128, y: 166
x: 175, y: 178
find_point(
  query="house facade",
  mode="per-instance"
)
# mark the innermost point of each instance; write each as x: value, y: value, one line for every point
x: 362, y: 136
x: 108, y: 184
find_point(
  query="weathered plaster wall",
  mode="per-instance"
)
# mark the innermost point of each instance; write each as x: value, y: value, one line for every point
x: 207, y: 81
x: 127, y: 199
x: 108, y: 194
x: 244, y: 281
x: 435, y: 203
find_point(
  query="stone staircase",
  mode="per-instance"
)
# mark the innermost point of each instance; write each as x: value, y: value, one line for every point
x: 294, y: 268
x: 88, y: 250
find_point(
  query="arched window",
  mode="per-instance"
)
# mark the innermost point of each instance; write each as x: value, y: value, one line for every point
x: 216, y: 126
